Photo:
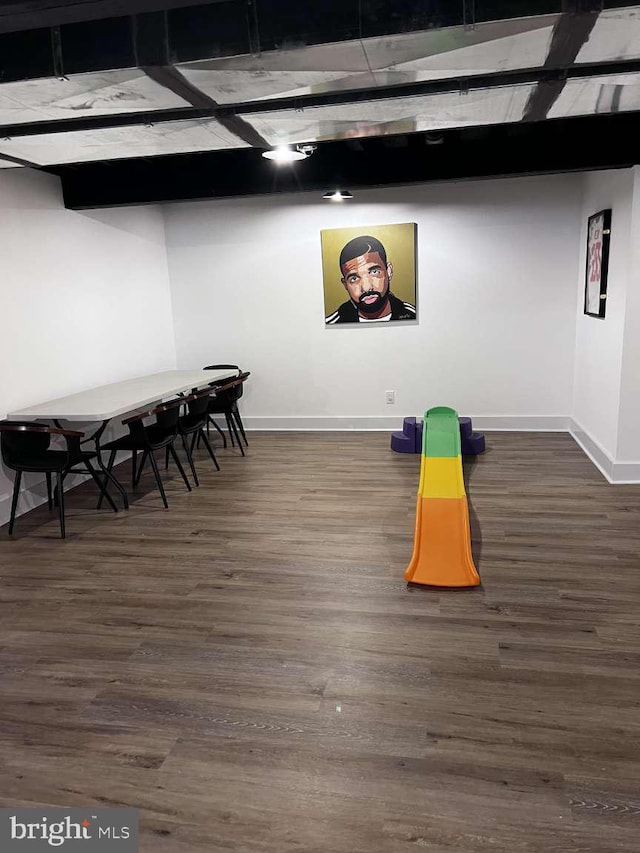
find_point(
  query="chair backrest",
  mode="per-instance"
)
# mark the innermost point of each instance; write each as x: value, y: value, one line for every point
x: 237, y: 393
x: 198, y: 403
x: 223, y: 367
x: 230, y: 390
x: 241, y: 380
x: 166, y: 414
x: 23, y: 440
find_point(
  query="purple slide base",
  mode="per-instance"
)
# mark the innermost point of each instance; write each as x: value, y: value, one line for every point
x: 410, y: 439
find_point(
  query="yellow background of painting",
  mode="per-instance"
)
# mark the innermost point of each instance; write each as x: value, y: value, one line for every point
x: 399, y: 242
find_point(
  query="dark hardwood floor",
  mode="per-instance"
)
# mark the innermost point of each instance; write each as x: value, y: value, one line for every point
x: 250, y: 670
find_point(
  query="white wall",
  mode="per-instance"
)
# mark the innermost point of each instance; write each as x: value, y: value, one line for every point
x: 628, y: 449
x: 599, y: 341
x: 85, y: 297
x: 497, y: 266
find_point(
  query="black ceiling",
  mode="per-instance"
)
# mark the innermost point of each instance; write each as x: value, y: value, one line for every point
x: 45, y: 43
x: 53, y: 39
x: 560, y: 145
x: 18, y: 15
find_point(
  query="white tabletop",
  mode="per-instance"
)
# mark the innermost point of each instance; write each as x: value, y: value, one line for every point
x: 109, y: 401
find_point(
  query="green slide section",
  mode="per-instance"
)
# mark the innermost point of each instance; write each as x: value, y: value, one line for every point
x: 441, y: 433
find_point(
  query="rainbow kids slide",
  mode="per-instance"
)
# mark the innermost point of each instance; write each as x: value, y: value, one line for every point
x: 442, y: 543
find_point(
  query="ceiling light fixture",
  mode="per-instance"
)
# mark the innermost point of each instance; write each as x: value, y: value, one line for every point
x: 283, y: 154
x: 337, y: 195
x: 433, y: 137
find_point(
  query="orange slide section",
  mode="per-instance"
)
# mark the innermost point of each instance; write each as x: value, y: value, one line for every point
x: 442, y: 543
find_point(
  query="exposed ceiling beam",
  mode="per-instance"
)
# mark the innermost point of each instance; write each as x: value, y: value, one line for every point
x: 301, y: 102
x: 172, y: 79
x: 491, y: 80
x: 570, y: 33
x: 19, y: 161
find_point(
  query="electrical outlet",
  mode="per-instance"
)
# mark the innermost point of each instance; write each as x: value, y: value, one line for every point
x: 390, y: 397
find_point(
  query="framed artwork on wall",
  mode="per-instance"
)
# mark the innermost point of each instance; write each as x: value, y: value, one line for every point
x: 369, y: 274
x: 595, y: 287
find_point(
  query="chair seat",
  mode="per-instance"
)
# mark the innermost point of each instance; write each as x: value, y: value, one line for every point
x: 25, y: 447
x: 218, y: 408
x: 192, y: 423
x: 50, y: 460
x: 157, y: 437
x: 147, y: 439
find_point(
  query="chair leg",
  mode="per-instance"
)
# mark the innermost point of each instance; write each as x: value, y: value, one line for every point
x: 233, y: 430
x: 56, y: 490
x: 230, y: 430
x: 134, y: 466
x: 112, y: 457
x: 238, y: 420
x: 14, y: 500
x: 60, y: 485
x: 174, y: 455
x: 143, y: 462
x: 156, y: 473
x: 209, y: 449
x: 185, y: 444
x: 49, y: 495
x: 166, y: 458
x: 224, y: 438
x: 101, y: 487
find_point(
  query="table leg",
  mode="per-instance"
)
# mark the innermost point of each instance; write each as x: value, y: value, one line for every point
x: 109, y: 476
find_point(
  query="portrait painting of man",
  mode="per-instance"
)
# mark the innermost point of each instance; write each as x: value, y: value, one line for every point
x: 369, y: 274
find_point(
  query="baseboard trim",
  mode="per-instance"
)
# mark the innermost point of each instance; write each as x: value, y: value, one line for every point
x: 626, y: 473
x: 388, y: 423
x: 596, y: 453
x: 523, y: 423
x: 617, y: 473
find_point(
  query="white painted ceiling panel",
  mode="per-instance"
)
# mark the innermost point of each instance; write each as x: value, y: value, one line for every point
x: 400, y: 115
x: 455, y: 52
x: 116, y: 143
x: 80, y: 95
x: 279, y: 73
x: 226, y: 86
x: 616, y: 35
x: 409, y: 57
x: 608, y: 94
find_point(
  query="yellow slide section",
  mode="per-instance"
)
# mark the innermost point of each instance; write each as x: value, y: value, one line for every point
x: 442, y: 542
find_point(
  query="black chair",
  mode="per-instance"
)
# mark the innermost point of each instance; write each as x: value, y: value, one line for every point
x: 147, y: 438
x: 217, y: 384
x: 26, y: 449
x: 192, y: 425
x: 228, y: 392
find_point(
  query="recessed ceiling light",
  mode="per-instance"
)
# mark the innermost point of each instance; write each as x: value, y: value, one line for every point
x: 338, y: 195
x: 433, y: 137
x: 284, y: 154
